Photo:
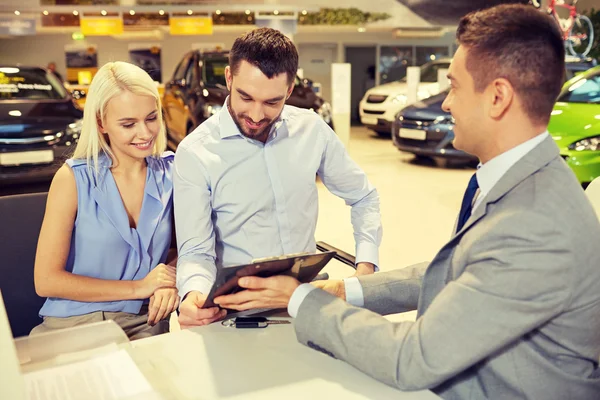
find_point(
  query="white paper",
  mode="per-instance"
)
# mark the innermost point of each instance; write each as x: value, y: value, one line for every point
x: 80, y: 355
x: 109, y: 377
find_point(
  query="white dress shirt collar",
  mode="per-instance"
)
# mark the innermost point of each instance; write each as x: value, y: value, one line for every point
x: 491, y: 172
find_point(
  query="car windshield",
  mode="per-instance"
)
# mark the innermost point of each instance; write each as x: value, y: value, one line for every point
x: 29, y: 84
x: 213, y: 71
x: 429, y: 74
x: 585, y: 90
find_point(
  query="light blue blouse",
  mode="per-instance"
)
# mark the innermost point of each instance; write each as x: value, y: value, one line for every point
x: 103, y: 245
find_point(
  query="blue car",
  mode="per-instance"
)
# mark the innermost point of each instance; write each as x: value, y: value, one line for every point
x: 424, y: 129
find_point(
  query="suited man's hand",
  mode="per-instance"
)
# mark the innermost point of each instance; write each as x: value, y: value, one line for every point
x: 334, y: 287
x: 273, y: 292
x: 364, y: 268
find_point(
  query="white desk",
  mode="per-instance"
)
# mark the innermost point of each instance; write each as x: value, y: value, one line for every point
x: 215, y: 362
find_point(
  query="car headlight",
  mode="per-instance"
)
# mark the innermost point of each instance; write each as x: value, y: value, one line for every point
x: 399, y: 99
x: 445, y: 119
x: 587, y: 144
x: 74, y: 129
x: 210, y: 109
x: 325, y: 112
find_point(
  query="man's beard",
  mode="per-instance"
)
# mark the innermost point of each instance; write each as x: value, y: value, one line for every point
x: 260, y: 134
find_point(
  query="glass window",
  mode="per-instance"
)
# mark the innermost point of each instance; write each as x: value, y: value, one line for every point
x: 583, y: 91
x: 190, y: 74
x: 428, y: 54
x: 213, y: 71
x: 32, y: 84
x: 181, y: 69
x: 393, y: 62
x: 429, y: 73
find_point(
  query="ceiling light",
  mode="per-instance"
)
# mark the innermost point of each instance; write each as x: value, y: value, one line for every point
x: 247, y: 12
x: 304, y: 12
x: 131, y: 12
x: 190, y: 12
x: 162, y: 12
x: 276, y: 12
x: 75, y: 12
x: 103, y: 12
x: 45, y: 12
x: 17, y: 12
x: 218, y: 12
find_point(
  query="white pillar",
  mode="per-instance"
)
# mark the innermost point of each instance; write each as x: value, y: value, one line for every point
x: 413, y: 78
x: 443, y: 81
x: 340, y: 93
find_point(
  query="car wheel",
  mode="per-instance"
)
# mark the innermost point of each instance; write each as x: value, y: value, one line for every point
x: 384, y: 133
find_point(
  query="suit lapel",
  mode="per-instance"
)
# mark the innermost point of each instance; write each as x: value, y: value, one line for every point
x: 437, y: 273
x: 540, y: 156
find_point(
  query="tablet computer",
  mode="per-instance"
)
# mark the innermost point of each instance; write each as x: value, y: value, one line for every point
x: 304, y: 267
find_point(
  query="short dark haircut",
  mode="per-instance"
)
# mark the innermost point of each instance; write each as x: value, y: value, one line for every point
x: 269, y: 50
x: 520, y: 44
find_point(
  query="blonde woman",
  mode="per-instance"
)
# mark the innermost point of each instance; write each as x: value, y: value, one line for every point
x: 108, y: 224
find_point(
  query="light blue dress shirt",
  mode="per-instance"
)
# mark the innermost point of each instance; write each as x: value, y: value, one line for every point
x: 237, y: 199
x: 103, y: 245
x: 488, y: 175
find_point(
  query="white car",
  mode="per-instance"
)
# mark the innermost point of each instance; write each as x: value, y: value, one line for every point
x: 379, y: 106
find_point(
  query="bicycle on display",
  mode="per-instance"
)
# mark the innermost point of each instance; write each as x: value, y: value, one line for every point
x: 577, y: 30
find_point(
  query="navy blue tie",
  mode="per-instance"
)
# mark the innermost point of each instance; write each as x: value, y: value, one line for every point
x: 467, y: 203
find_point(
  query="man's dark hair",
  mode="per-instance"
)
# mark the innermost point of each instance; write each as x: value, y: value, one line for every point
x: 520, y: 44
x: 269, y: 50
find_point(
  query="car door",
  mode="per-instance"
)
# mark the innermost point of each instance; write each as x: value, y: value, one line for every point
x: 174, y: 100
x: 192, y: 93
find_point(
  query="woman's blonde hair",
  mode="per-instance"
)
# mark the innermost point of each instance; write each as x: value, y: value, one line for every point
x: 111, y: 80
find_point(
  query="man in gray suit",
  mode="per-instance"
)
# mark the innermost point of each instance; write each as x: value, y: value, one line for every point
x: 510, y: 307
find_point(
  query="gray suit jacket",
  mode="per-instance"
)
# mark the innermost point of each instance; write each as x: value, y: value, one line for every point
x: 508, y: 309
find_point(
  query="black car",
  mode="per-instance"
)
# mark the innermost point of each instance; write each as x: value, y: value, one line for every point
x: 424, y: 129
x: 198, y: 90
x: 39, y: 124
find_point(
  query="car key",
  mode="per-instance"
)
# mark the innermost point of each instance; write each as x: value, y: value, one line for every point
x: 257, y: 322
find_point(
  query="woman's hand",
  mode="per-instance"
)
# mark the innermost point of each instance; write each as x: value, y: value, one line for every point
x: 162, y: 276
x: 162, y: 303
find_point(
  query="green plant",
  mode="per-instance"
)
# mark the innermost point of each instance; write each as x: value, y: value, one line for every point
x: 341, y: 16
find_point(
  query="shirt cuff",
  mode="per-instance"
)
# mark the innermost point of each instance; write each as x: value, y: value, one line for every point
x: 367, y: 252
x: 298, y: 297
x: 195, y: 283
x: 354, y: 292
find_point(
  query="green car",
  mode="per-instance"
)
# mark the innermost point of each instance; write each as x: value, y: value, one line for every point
x: 575, y: 124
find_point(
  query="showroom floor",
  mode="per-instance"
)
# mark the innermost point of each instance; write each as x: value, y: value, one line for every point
x: 419, y: 202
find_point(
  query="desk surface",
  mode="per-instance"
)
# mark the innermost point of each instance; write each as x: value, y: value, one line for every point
x: 215, y: 362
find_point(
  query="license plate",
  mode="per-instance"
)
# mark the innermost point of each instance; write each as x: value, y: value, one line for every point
x: 415, y: 134
x: 369, y: 120
x: 27, y: 157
